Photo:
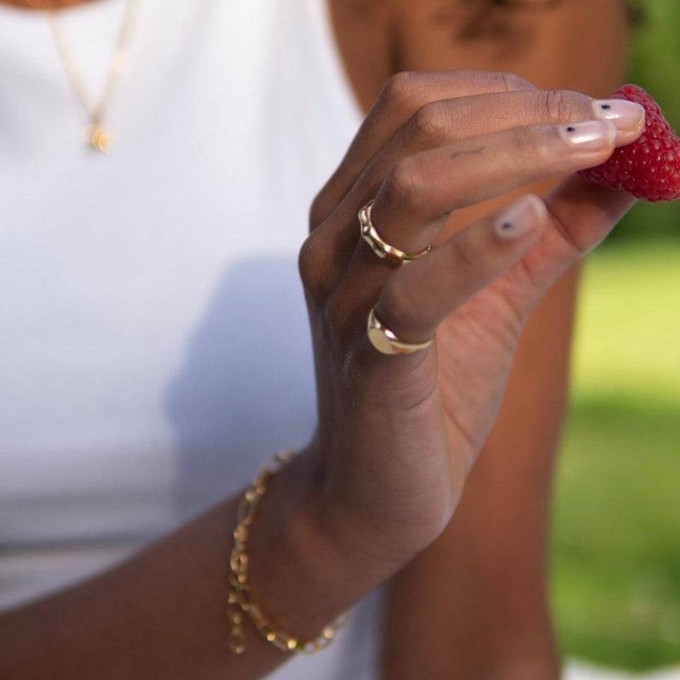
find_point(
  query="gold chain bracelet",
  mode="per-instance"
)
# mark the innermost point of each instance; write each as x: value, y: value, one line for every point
x: 240, y: 602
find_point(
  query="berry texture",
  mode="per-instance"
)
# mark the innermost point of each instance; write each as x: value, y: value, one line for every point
x: 649, y: 168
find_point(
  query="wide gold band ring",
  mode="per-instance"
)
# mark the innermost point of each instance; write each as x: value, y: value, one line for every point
x: 386, y: 342
x: 378, y: 245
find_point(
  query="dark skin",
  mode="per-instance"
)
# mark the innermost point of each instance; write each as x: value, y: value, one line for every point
x: 474, y: 603
x: 467, y: 607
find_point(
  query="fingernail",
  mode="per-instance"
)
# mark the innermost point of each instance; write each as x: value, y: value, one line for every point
x: 520, y: 218
x: 590, y: 136
x: 627, y: 116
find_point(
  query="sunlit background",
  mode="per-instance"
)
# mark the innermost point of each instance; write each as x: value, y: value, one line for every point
x: 616, y: 560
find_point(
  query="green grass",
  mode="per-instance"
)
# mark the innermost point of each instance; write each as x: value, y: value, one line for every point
x: 628, y: 338
x: 616, y: 562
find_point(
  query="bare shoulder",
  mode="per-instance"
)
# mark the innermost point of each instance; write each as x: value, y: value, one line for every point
x: 575, y: 44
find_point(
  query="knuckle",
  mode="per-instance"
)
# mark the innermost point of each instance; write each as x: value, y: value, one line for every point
x: 404, y: 185
x: 511, y: 82
x: 318, y: 211
x: 310, y: 267
x: 400, y: 90
x: 427, y: 122
x: 558, y: 105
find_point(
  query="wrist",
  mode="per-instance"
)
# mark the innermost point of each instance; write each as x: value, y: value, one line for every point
x: 357, y: 513
x: 304, y: 572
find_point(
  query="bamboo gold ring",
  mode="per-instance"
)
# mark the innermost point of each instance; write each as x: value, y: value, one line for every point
x: 386, y: 342
x: 378, y: 245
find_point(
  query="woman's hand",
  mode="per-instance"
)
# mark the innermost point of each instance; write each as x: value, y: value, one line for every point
x: 398, y: 434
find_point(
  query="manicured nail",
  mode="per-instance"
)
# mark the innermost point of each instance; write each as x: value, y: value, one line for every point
x: 590, y: 136
x: 627, y: 116
x: 520, y: 218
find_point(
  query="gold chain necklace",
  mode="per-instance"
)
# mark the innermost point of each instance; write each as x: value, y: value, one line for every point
x: 98, y: 136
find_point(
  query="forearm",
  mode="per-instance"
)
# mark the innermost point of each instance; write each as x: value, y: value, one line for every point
x: 164, y: 614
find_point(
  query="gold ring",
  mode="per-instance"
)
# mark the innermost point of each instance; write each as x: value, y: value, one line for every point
x: 379, y: 246
x: 386, y: 342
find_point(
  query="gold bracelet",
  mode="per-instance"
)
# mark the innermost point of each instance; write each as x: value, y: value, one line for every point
x: 240, y: 602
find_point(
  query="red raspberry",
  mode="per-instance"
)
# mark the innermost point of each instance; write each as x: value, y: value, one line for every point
x: 649, y: 168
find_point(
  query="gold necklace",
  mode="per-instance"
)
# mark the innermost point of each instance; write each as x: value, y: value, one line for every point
x: 98, y: 135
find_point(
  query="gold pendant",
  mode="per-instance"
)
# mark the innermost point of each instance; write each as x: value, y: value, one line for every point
x: 99, y: 139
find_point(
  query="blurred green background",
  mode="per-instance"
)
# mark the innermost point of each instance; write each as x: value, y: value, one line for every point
x: 616, y: 556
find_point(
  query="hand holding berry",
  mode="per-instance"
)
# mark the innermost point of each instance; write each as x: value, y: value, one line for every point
x: 397, y: 435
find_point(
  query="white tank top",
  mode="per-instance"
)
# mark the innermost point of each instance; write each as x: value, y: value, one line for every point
x: 140, y: 291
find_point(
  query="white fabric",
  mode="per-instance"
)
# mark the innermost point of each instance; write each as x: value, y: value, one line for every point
x: 139, y: 290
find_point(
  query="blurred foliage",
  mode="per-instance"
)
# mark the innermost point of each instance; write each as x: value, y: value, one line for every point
x: 655, y: 64
x: 628, y: 335
x: 617, y: 571
x: 616, y: 559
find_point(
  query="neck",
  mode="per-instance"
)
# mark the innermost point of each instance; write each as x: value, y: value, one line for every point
x: 44, y: 4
